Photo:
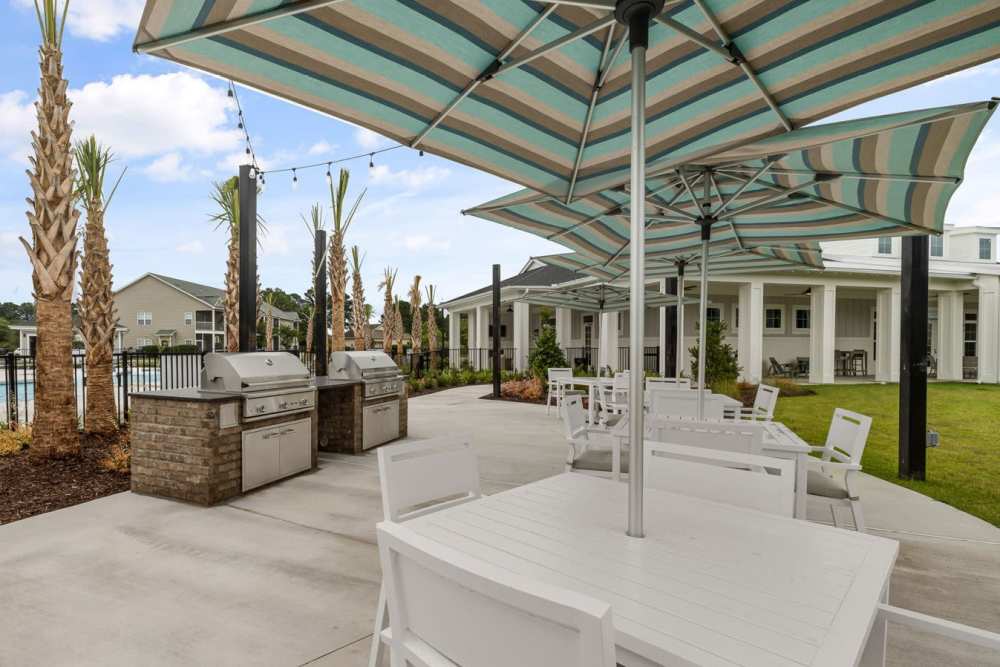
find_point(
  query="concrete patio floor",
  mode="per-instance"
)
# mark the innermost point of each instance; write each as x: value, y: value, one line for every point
x: 288, y: 575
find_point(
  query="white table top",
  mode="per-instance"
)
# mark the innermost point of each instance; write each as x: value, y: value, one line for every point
x: 711, y: 584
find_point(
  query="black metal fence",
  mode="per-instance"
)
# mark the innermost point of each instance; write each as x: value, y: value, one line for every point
x: 650, y: 359
x: 582, y: 357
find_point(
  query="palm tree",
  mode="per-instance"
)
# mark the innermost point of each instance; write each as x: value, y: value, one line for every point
x: 388, y: 313
x: 338, y: 257
x: 432, y: 328
x: 314, y: 223
x: 417, y: 325
x: 358, y: 301
x: 52, y: 252
x: 397, y: 326
x: 269, y: 322
x: 311, y: 323
x: 96, y: 306
x: 369, y: 340
x: 226, y: 195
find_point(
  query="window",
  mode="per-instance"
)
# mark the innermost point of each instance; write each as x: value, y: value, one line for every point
x: 143, y: 342
x: 203, y: 320
x: 985, y: 248
x: 144, y: 318
x: 969, y: 337
x: 773, y: 319
x: 220, y: 324
x: 188, y: 318
x: 937, y: 246
x: 802, y: 319
x: 885, y: 245
x: 713, y: 314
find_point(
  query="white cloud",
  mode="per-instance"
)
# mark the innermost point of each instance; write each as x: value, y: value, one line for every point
x: 320, y: 148
x: 413, y: 179
x: 977, y: 200
x: 414, y: 242
x: 168, y: 169
x: 194, y: 247
x: 369, y: 140
x: 100, y: 20
x: 277, y: 240
x: 17, y: 117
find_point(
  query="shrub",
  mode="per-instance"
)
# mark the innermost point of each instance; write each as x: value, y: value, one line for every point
x: 524, y: 390
x: 119, y: 456
x: 789, y: 387
x: 721, y: 361
x: 12, y: 442
x: 546, y: 354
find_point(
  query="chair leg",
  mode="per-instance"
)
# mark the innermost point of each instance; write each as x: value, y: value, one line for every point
x: 833, y: 513
x: 859, y: 521
x: 381, y: 621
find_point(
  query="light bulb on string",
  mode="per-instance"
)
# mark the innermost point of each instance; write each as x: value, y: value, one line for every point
x: 295, y: 180
x: 371, y: 160
x: 421, y: 152
x: 329, y: 176
x: 230, y: 91
x: 248, y: 150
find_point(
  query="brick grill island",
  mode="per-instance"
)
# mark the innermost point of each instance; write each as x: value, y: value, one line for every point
x: 206, y: 445
x: 341, y: 415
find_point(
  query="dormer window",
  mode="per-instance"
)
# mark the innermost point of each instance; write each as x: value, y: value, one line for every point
x: 885, y: 245
x: 937, y: 246
x: 985, y: 248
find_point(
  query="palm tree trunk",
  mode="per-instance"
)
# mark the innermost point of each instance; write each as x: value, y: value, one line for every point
x: 53, y: 258
x: 232, y: 298
x: 269, y: 332
x: 98, y: 319
x: 338, y: 288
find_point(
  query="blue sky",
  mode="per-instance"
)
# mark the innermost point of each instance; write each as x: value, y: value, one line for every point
x: 175, y: 130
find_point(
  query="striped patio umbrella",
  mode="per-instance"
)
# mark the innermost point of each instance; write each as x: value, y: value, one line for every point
x: 539, y: 92
x: 767, y: 202
x: 594, y: 296
x: 802, y: 256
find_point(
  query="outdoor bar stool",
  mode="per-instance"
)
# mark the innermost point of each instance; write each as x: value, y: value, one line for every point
x: 859, y: 362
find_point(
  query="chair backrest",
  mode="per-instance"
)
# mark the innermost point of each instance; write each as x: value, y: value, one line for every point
x: 560, y: 374
x: 765, y: 400
x: 684, y: 404
x: 426, y: 476
x: 746, y: 480
x: 668, y: 383
x: 573, y: 416
x: 448, y: 608
x: 743, y: 437
x: 848, y: 434
x: 621, y: 381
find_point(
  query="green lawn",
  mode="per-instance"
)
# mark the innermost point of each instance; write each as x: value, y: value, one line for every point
x: 963, y: 472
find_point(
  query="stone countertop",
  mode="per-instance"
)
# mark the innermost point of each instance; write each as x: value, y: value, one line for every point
x: 186, y: 394
x: 325, y: 382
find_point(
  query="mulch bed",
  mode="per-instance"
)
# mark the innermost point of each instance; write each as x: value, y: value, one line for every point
x: 29, y: 487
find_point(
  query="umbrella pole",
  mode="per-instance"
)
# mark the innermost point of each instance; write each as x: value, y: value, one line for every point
x: 679, y: 364
x: 637, y: 15
x: 703, y: 319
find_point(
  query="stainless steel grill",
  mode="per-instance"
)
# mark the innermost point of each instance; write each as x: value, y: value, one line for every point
x: 383, y: 387
x: 272, y: 383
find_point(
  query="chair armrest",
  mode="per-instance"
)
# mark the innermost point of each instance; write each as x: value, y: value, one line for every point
x: 940, y: 626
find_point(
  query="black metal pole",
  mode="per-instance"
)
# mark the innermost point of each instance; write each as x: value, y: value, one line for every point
x: 496, y: 331
x: 913, y: 359
x: 248, y: 258
x: 669, y: 324
x: 319, y: 297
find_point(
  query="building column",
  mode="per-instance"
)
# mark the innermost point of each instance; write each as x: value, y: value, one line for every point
x: 607, y: 354
x: 564, y: 327
x: 895, y: 332
x: 822, y: 333
x: 750, y: 333
x: 951, y: 313
x: 988, y: 319
x: 661, y: 329
x: 522, y: 334
x: 454, y: 339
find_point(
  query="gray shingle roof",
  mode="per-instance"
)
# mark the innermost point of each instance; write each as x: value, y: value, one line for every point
x: 543, y: 276
x: 215, y: 296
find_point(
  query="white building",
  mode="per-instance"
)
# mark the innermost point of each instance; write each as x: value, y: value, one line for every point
x: 825, y: 323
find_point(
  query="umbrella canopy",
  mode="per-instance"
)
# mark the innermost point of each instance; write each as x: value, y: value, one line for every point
x: 538, y: 92
x: 890, y: 174
x: 596, y: 297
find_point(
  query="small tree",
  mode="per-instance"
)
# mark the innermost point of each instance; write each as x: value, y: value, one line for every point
x: 721, y: 361
x: 546, y: 354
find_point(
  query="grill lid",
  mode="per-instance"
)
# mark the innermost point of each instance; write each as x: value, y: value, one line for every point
x: 362, y: 365
x: 241, y: 372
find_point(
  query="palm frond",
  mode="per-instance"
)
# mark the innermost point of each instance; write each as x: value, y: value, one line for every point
x: 92, y: 161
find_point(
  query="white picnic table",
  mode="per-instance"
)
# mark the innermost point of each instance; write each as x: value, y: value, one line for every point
x: 784, y: 443
x: 710, y: 584
x: 591, y: 383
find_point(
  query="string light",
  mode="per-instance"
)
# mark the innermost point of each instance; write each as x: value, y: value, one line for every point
x: 242, y: 126
x: 371, y: 160
x: 295, y: 180
x: 329, y: 176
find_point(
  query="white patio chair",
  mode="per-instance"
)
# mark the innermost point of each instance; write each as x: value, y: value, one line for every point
x: 591, y: 449
x: 668, y: 383
x: 764, y: 402
x: 685, y: 405
x: 450, y: 609
x: 556, y: 388
x: 833, y: 477
x: 924, y: 623
x: 613, y: 399
x: 727, y: 436
x: 757, y: 482
x: 418, y: 478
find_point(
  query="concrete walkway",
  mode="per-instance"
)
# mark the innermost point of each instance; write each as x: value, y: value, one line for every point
x: 288, y: 575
